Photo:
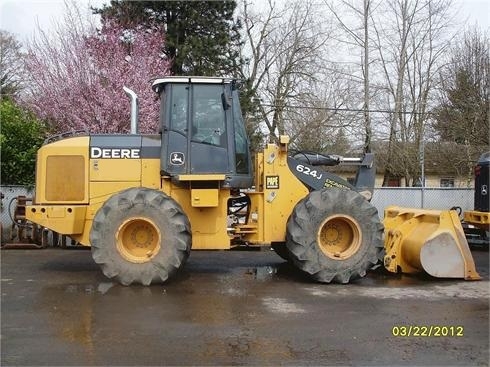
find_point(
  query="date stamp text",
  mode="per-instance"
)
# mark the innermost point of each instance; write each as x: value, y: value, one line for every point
x: 427, y: 331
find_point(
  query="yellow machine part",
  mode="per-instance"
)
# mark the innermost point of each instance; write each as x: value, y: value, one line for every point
x: 62, y: 169
x: 433, y: 241
x: 478, y: 219
x: 277, y: 191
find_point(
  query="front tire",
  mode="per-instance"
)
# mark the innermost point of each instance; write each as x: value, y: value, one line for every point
x: 140, y: 236
x: 281, y: 250
x: 334, y: 235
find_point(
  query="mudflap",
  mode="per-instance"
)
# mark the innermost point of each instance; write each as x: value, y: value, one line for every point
x: 431, y: 241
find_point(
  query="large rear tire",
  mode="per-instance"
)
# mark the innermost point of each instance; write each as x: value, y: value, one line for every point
x: 334, y: 235
x: 140, y: 236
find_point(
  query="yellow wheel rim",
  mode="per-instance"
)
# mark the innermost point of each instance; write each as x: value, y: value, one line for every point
x: 339, y: 236
x: 138, y: 239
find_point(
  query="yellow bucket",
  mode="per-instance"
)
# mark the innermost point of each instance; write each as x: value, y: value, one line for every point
x: 433, y: 241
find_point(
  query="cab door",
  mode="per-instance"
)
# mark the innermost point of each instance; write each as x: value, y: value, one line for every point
x: 175, y: 131
x: 208, y: 130
x: 194, y: 129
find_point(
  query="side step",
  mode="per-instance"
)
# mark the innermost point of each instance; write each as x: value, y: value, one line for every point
x: 433, y: 241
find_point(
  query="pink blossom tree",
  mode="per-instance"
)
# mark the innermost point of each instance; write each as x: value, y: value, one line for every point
x: 76, y: 75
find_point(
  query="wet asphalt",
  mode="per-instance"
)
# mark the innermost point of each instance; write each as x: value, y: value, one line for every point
x: 235, y: 308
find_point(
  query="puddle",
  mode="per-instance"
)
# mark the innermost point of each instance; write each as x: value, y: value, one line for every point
x: 262, y: 272
x: 104, y: 287
x: 281, y: 305
x: 80, y: 288
x: 467, y: 290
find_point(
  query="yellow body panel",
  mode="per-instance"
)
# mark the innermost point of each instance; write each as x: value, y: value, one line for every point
x: 204, y: 198
x: 101, y: 191
x: 62, y: 172
x: 150, y: 173
x: 277, y: 192
x: 478, y: 219
x: 115, y: 170
x: 64, y: 219
x: 208, y: 224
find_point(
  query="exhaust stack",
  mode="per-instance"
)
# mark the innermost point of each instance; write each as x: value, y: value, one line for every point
x: 134, y: 110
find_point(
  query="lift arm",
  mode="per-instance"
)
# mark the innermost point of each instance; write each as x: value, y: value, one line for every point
x: 303, y: 167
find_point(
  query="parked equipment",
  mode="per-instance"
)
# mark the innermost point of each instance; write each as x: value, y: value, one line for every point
x: 23, y: 234
x: 143, y: 201
x: 476, y: 223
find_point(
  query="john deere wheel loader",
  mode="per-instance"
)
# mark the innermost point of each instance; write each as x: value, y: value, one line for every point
x: 143, y: 201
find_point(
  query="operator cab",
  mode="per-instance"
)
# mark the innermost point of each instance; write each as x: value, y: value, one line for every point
x: 202, y: 129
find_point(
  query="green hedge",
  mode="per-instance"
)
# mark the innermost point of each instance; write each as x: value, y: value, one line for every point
x: 21, y: 135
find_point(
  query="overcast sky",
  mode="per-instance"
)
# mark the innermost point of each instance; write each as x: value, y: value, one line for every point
x: 21, y: 16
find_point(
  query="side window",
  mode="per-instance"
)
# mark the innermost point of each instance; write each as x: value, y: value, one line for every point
x: 241, y: 141
x: 208, y: 115
x: 179, y: 109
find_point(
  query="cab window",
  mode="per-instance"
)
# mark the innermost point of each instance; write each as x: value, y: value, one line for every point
x: 208, y: 115
x: 179, y: 109
x: 241, y: 141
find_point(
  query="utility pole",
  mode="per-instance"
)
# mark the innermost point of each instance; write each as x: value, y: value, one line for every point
x: 367, y: 117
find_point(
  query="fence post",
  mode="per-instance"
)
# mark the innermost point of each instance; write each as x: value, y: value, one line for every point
x: 422, y: 167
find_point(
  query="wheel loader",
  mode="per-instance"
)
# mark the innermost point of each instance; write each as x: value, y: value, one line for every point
x: 143, y: 201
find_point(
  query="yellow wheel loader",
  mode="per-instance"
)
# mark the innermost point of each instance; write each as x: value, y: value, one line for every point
x: 143, y: 201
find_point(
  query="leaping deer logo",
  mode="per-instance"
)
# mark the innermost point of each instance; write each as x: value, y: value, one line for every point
x: 177, y: 158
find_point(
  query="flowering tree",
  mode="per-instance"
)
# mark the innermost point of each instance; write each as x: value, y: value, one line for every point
x: 76, y: 78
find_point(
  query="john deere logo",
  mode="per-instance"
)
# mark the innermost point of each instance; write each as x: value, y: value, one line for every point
x: 96, y: 153
x: 177, y: 158
x: 272, y: 182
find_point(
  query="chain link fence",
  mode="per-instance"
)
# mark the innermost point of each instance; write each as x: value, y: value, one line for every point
x: 412, y: 197
x: 423, y: 198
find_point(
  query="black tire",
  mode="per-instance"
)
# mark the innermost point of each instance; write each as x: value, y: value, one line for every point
x: 140, y: 236
x: 281, y: 250
x: 334, y: 235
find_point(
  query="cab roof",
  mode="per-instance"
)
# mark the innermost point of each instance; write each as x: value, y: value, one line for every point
x: 189, y: 79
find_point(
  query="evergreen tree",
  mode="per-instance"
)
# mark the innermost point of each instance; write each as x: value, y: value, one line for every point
x: 201, y: 37
x: 463, y: 113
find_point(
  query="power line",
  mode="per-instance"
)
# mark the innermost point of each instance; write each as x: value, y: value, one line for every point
x: 347, y: 109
